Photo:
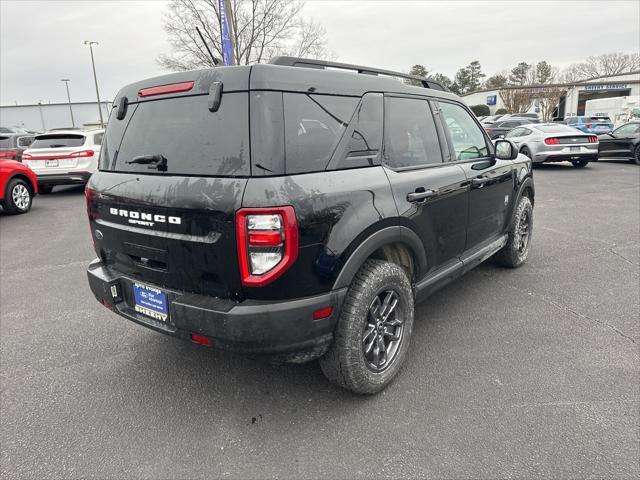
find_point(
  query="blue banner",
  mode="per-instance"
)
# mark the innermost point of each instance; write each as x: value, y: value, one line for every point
x: 224, y: 34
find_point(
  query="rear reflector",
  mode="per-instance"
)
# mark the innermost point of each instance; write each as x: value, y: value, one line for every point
x: 200, y: 340
x: 164, y: 89
x: 322, y: 313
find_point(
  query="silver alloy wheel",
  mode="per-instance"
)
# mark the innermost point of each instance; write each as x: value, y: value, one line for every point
x: 20, y: 196
x: 524, y: 232
x: 383, y: 331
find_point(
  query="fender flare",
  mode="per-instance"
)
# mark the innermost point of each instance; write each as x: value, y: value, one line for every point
x: 396, y: 234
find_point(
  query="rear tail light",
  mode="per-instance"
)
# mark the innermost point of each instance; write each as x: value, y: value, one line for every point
x: 82, y: 153
x: 267, y: 241
x: 9, y: 154
x: 551, y: 141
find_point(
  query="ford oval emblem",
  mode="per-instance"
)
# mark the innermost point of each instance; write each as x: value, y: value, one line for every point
x: 98, y: 234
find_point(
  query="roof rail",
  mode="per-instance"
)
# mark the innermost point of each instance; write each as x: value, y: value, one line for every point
x: 323, y: 65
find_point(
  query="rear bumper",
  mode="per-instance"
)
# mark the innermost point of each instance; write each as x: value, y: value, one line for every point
x: 71, y: 178
x: 283, y: 329
x: 562, y: 156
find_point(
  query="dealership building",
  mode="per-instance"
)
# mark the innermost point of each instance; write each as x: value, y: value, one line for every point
x: 573, y: 101
x: 40, y: 117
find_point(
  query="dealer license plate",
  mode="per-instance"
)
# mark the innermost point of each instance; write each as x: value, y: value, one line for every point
x: 150, y: 301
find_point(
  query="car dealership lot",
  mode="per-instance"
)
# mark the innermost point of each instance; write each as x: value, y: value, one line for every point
x: 531, y: 372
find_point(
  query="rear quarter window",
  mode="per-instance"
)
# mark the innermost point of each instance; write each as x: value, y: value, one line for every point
x: 194, y: 140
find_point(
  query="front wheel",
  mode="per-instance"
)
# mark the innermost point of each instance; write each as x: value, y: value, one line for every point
x: 580, y: 163
x: 373, y: 333
x: 18, y: 197
x: 516, y: 251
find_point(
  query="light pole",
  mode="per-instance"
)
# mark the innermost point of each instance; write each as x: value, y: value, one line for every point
x: 95, y: 78
x: 66, y: 83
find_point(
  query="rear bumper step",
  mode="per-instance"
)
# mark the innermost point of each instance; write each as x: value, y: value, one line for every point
x: 285, y: 329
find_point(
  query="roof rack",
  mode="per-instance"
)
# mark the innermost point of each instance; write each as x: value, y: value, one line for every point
x: 323, y: 65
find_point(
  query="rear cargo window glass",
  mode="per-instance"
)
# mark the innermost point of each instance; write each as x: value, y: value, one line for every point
x: 193, y: 140
x: 58, y: 141
x: 5, y: 142
x: 314, y: 125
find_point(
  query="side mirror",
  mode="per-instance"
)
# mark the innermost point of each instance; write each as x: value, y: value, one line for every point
x: 506, y: 150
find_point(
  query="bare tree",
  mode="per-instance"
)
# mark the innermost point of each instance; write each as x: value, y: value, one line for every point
x: 516, y: 100
x: 602, y: 65
x: 261, y: 29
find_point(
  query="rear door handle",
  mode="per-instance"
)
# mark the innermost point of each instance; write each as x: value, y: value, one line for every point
x: 420, y: 195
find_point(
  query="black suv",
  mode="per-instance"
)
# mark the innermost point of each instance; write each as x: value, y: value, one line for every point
x: 298, y: 211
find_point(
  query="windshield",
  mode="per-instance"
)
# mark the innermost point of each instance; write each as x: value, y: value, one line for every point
x: 58, y: 140
x: 194, y: 140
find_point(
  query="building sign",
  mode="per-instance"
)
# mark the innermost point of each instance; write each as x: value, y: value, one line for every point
x: 609, y: 86
x: 492, y: 99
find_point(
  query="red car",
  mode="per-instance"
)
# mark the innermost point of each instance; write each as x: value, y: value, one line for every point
x: 17, y: 186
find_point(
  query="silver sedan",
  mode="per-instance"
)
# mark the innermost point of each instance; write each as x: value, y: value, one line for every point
x: 552, y: 142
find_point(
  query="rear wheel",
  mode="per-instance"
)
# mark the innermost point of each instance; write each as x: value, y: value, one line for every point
x: 18, y: 197
x: 516, y: 251
x: 45, y: 189
x: 580, y: 163
x: 373, y: 332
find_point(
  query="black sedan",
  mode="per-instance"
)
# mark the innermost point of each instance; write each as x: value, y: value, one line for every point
x: 623, y: 142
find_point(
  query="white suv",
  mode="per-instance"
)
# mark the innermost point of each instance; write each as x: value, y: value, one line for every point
x: 63, y: 157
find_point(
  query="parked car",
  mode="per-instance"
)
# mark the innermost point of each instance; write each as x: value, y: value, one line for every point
x: 64, y: 157
x: 501, y: 127
x: 623, y: 142
x: 553, y: 142
x: 204, y: 232
x: 590, y: 124
x: 13, y: 145
x: 18, y: 186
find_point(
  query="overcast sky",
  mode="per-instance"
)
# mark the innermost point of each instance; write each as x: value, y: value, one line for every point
x: 42, y: 42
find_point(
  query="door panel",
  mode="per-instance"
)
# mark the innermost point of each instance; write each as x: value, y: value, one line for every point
x: 440, y: 219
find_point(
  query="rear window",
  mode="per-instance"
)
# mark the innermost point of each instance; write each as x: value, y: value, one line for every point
x: 5, y: 142
x: 58, y: 140
x: 194, y: 140
x: 555, y: 128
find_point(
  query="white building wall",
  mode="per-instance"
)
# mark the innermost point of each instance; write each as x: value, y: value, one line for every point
x: 54, y: 115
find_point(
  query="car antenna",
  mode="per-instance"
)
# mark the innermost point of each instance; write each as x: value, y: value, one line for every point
x: 215, y: 60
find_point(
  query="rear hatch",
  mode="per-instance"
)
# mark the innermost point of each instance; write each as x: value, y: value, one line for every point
x: 53, y: 152
x: 169, y: 221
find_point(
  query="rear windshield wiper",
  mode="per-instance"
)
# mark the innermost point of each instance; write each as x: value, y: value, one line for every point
x: 158, y: 162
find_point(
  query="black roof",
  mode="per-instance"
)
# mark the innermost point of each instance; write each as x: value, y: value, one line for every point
x: 289, y: 78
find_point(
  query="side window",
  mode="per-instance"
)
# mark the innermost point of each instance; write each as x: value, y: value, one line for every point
x: 313, y: 126
x: 97, y: 139
x: 467, y: 139
x: 411, y: 138
x: 516, y: 132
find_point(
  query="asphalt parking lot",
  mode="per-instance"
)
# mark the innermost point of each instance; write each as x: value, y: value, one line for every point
x: 532, y: 372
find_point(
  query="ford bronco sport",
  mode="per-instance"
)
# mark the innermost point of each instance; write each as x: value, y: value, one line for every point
x: 298, y: 211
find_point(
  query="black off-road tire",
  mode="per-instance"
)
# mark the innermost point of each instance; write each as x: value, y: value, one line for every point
x: 17, y: 197
x: 512, y: 254
x: 45, y: 189
x: 580, y: 163
x: 345, y: 363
